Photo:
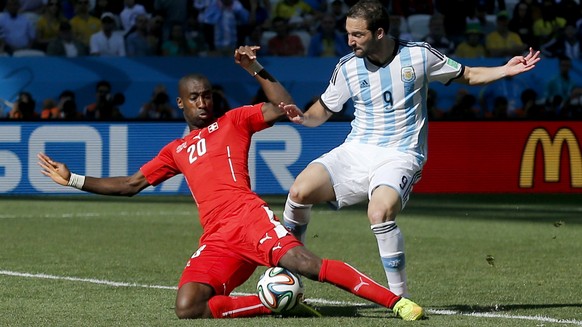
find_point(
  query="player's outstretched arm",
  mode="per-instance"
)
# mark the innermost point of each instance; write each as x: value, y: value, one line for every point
x: 60, y: 174
x: 515, y: 66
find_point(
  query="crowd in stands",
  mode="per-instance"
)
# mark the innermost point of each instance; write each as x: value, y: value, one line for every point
x: 301, y: 28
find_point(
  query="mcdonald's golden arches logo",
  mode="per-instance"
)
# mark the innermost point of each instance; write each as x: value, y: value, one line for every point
x: 552, y: 153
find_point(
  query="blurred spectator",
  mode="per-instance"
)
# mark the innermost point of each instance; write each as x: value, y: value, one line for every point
x: 328, y: 42
x: 549, y: 24
x: 492, y: 7
x: 129, y: 14
x: 318, y: 6
x: 502, y: 42
x: 567, y: 44
x: 106, y: 106
x: 339, y: 9
x: 465, y: 106
x: 159, y: 106
x: 47, y: 26
x: 106, y: 43
x: 259, y: 15
x: 99, y: 7
x: 509, y: 88
x: 437, y: 37
x: 569, y: 10
x: 137, y: 42
x: 535, y: 7
x: 500, y: 108
x: 396, y: 24
x: 156, y: 33
x: 50, y: 109
x: 32, y: 6
x: 24, y: 107
x: 19, y: 32
x: 207, y: 18
x: 560, y: 86
x: 479, y: 18
x: 530, y: 108
x: 84, y: 24
x: 297, y: 13
x: 284, y: 43
x: 173, y: 11
x: 406, y: 8
x: 177, y: 44
x: 455, y: 17
x: 572, y: 108
x: 472, y: 47
x: 3, y: 52
x: 68, y: 8
x: 65, y: 45
x: 68, y: 106
x: 521, y: 22
x: 230, y: 16
x: 256, y: 38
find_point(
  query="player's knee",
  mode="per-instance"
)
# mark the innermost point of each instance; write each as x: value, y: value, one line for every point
x: 297, y: 195
x: 191, y: 303
x: 190, y: 311
x: 378, y: 216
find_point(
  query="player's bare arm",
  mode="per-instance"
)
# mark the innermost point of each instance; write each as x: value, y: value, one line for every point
x: 124, y: 186
x: 314, y: 116
x: 246, y: 57
x: 515, y: 66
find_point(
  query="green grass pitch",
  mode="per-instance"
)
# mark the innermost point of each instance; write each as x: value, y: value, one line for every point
x: 472, y: 260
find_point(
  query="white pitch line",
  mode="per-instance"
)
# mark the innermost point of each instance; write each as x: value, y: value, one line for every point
x: 315, y: 301
x: 94, y: 214
x: 84, y: 280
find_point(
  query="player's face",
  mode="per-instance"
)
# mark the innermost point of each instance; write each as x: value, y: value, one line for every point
x: 196, y: 101
x: 362, y: 41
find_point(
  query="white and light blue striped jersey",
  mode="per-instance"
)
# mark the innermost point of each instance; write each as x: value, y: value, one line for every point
x: 390, y: 101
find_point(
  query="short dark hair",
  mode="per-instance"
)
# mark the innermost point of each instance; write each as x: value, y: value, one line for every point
x: 373, y: 12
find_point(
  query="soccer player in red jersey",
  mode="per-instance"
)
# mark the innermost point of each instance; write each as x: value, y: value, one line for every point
x: 240, y: 231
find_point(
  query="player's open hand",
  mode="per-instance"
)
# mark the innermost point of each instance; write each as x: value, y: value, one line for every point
x: 57, y: 171
x: 293, y: 113
x: 520, y: 64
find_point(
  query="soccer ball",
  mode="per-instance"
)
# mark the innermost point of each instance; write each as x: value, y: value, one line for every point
x: 279, y: 289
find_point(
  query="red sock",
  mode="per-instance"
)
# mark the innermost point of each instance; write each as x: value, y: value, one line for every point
x: 348, y: 278
x: 223, y: 306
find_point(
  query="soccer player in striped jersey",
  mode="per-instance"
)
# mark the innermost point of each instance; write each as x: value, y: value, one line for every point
x: 383, y: 155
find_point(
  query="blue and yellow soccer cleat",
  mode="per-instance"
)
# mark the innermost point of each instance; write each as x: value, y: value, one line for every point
x: 408, y: 310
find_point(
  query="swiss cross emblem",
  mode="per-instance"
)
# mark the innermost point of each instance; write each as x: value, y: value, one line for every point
x: 212, y: 127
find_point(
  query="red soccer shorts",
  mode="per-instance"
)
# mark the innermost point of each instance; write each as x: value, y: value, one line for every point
x: 228, y: 257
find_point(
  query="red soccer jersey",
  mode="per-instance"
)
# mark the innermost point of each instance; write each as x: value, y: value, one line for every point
x: 214, y: 162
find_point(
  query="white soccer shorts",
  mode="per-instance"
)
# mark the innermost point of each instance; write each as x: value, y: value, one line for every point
x: 357, y: 169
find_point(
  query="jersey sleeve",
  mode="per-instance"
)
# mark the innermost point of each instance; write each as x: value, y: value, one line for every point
x: 161, y: 167
x: 442, y: 68
x: 337, y: 92
x: 250, y: 116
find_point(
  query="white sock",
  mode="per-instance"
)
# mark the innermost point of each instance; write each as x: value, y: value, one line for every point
x: 296, y: 217
x: 391, y: 248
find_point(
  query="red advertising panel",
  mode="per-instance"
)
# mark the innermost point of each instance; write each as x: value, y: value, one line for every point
x: 503, y: 157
